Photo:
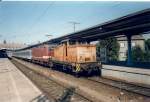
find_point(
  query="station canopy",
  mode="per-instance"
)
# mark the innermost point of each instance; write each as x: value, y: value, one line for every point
x: 132, y: 24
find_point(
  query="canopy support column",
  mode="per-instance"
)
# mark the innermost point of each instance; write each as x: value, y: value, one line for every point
x: 129, y: 56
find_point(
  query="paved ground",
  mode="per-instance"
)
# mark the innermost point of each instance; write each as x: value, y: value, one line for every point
x: 14, y: 86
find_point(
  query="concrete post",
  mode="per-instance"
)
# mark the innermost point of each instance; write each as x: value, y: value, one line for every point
x: 129, y: 60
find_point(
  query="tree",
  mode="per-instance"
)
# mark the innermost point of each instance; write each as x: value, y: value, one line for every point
x: 147, y: 56
x: 147, y: 50
x: 112, y: 48
x: 140, y: 55
x: 98, y: 49
x: 147, y: 45
x: 137, y: 54
x: 4, y: 42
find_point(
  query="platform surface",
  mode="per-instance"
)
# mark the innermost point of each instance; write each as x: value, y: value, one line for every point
x: 15, y: 86
x: 128, y: 74
x: 127, y: 69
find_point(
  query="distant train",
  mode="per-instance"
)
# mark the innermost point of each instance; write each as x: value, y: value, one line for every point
x: 78, y: 58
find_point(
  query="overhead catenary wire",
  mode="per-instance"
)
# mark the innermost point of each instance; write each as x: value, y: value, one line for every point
x: 36, y: 21
x: 40, y: 17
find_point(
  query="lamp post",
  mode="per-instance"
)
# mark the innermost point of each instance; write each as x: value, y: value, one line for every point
x: 74, y: 25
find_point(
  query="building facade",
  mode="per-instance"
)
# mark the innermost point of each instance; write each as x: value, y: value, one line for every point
x: 137, y: 40
x: 12, y: 46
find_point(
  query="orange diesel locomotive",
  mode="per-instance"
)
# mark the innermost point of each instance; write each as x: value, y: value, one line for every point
x: 72, y: 58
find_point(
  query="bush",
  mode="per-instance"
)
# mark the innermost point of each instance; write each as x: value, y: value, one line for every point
x: 139, y: 55
x: 112, y: 48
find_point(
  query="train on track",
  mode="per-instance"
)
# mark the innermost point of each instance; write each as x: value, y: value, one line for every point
x: 77, y: 58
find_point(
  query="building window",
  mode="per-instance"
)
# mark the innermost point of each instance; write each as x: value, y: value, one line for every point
x: 122, y: 54
x: 122, y: 44
x: 133, y: 44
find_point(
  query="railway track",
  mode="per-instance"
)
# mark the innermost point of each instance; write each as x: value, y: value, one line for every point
x: 54, y: 91
x: 122, y: 85
x: 125, y: 90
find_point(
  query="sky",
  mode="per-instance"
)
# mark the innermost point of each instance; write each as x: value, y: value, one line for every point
x: 29, y: 22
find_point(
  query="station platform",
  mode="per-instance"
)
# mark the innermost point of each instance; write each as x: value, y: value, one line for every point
x: 134, y: 75
x: 15, y: 86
